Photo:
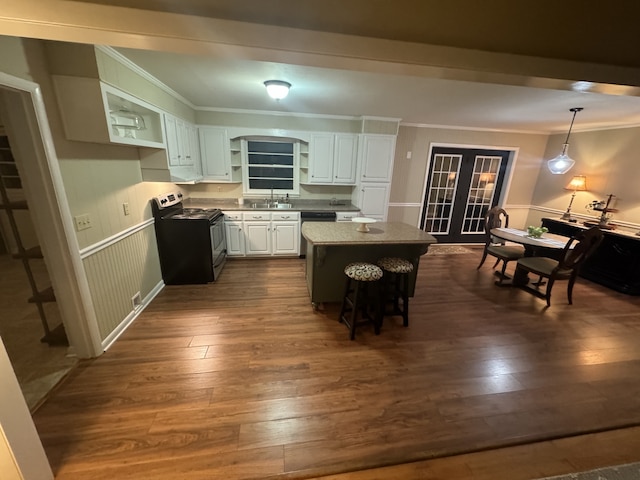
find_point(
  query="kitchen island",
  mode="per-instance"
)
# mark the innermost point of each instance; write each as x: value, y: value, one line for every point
x: 331, y: 246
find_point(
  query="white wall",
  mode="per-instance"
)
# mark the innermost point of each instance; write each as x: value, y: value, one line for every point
x: 609, y: 159
x: 408, y: 182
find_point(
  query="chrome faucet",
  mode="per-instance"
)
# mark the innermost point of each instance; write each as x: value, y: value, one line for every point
x: 271, y: 194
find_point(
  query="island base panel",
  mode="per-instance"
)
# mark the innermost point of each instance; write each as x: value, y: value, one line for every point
x: 325, y: 266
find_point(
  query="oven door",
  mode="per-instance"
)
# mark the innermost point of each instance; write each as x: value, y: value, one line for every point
x: 218, y: 246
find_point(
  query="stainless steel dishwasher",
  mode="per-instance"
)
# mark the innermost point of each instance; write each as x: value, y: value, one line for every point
x: 313, y: 217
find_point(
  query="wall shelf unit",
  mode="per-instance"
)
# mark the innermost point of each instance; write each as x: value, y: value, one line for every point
x: 106, y: 114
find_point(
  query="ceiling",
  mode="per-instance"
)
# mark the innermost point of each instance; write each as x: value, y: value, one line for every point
x: 503, y: 26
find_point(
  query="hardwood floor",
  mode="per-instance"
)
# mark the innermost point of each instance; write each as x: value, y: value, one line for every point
x: 242, y: 380
x: 37, y: 365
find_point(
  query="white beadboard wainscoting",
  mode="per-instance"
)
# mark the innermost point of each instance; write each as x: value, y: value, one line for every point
x: 118, y: 269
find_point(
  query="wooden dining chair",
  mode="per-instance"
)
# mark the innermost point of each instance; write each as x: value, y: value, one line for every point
x: 495, y: 218
x: 575, y: 252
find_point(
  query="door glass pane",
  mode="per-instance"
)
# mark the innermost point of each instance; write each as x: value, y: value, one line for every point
x: 481, y: 192
x: 441, y: 194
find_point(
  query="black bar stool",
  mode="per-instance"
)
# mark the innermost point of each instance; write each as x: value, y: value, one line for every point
x: 359, y: 298
x: 396, y: 286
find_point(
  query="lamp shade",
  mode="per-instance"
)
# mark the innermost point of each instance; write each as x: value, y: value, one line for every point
x: 578, y: 184
x: 277, y: 89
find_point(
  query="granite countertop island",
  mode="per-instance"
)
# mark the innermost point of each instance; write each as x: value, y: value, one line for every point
x: 331, y: 246
x: 379, y: 233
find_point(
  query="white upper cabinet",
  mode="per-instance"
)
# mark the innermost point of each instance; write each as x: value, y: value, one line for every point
x: 376, y: 158
x: 182, y: 142
x: 179, y: 161
x: 215, y: 155
x: 93, y: 111
x: 321, y: 149
x: 332, y: 158
x: 346, y: 157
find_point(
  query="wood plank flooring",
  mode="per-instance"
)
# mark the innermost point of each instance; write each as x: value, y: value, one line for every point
x: 241, y: 379
x: 38, y: 366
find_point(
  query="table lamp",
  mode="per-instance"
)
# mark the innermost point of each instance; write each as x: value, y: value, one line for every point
x: 577, y: 183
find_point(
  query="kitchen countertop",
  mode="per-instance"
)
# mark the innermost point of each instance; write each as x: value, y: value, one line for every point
x: 345, y: 233
x: 297, y: 205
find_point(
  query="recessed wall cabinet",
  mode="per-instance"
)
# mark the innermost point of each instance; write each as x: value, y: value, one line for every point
x: 179, y: 162
x: 375, y: 162
x: 332, y: 159
x: 93, y: 111
x: 221, y: 157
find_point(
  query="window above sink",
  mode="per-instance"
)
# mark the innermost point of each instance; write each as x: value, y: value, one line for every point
x: 271, y: 168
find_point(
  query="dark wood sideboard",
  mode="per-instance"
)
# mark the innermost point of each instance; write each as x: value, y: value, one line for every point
x: 616, y: 262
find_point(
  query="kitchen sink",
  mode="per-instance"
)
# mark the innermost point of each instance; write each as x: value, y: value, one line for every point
x: 271, y: 205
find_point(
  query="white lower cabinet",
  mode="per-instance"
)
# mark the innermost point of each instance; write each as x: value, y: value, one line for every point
x: 235, y: 238
x: 286, y: 238
x: 262, y: 233
x: 257, y: 235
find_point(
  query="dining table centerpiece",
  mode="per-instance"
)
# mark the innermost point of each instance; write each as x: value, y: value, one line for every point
x: 536, y: 232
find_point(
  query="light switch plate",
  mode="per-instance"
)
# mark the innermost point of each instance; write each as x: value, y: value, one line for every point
x: 82, y: 221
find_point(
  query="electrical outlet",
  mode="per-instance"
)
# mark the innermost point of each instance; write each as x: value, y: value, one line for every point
x: 125, y: 208
x: 136, y: 301
x: 82, y: 222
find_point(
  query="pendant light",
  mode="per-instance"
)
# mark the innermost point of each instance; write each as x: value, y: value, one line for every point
x: 563, y: 163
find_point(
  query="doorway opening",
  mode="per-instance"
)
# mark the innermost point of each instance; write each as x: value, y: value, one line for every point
x: 461, y: 185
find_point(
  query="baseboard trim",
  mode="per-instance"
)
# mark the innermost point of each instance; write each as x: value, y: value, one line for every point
x: 129, y: 319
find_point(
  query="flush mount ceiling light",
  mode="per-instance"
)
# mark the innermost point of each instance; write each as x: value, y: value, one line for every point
x: 277, y: 89
x: 563, y: 163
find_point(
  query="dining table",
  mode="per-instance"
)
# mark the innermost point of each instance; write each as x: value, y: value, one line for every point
x: 548, y: 245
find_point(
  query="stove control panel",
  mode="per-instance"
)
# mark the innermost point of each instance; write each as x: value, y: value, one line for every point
x: 168, y: 199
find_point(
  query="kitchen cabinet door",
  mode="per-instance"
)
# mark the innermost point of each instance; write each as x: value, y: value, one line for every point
x: 178, y: 142
x: 333, y: 158
x: 235, y: 238
x: 257, y: 238
x: 321, y: 155
x: 373, y: 200
x: 193, y: 150
x: 376, y: 158
x: 173, y: 146
x: 344, y: 162
x: 286, y: 236
x: 215, y: 154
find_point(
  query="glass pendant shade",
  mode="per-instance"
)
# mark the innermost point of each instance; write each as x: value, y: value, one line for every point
x: 277, y: 89
x: 562, y: 163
